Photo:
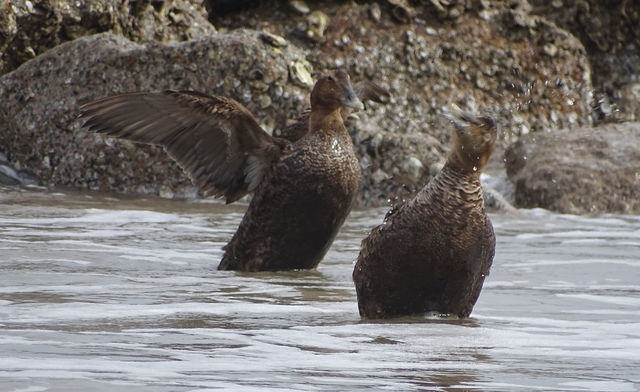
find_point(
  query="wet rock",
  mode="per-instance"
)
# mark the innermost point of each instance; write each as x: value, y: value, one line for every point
x: 627, y: 105
x: 584, y: 170
x: 375, y: 12
x: 505, y: 58
x: 28, y: 28
x: 299, y: 6
x: 393, y: 164
x: 300, y: 73
x: 609, y: 32
x: 8, y: 27
x: 10, y: 175
x: 413, y: 168
x: 273, y: 39
x: 317, y: 23
x: 401, y: 10
x: 40, y: 103
x: 495, y: 64
x: 224, y: 7
x: 494, y: 201
x: 498, y: 190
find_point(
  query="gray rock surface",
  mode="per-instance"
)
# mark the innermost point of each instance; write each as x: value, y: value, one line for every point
x: 40, y: 100
x: 30, y: 27
x: 10, y: 175
x: 528, y: 63
x: 527, y: 72
x: 583, y: 170
x: 610, y: 32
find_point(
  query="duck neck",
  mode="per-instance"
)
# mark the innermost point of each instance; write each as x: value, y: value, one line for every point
x: 464, y: 183
x: 462, y: 163
x: 466, y: 173
x: 326, y: 121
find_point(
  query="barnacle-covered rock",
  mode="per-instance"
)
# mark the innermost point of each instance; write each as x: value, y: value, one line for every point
x: 577, y: 171
x: 530, y: 74
x: 300, y: 74
x: 11, y: 175
x: 28, y: 28
x: 401, y: 10
x: 609, y: 31
x: 273, y: 39
x: 536, y: 66
x: 40, y: 103
x: 8, y: 27
x: 299, y: 6
x: 317, y: 23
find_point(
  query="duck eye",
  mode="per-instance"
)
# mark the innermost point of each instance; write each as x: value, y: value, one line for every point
x: 330, y: 78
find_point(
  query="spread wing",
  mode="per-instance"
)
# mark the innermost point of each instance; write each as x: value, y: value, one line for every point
x: 215, y: 139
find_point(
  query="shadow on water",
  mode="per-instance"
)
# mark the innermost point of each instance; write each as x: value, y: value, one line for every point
x: 434, y: 319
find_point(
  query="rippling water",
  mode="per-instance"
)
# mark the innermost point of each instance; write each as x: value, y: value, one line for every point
x: 107, y: 294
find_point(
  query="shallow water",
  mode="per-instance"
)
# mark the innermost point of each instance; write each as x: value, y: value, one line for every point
x: 110, y: 294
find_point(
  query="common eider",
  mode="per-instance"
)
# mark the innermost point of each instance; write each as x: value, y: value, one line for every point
x: 302, y: 191
x: 365, y: 91
x: 432, y: 253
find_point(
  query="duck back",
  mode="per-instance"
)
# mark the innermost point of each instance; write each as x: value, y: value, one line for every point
x: 294, y: 218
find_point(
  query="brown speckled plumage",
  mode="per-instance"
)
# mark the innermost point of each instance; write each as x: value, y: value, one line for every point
x: 303, y: 191
x: 433, y: 252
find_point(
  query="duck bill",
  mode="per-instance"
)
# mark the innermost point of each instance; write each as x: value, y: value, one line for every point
x: 351, y: 100
x: 460, y: 118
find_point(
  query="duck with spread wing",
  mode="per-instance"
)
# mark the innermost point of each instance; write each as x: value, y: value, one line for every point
x: 302, y: 190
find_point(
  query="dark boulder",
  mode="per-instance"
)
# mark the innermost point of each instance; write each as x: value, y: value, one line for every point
x: 40, y: 101
x: 582, y: 170
x: 28, y: 28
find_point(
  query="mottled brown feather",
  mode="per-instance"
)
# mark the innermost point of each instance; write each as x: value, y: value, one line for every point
x: 433, y: 252
x: 291, y: 223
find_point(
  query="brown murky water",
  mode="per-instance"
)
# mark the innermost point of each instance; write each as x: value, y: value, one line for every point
x: 107, y: 294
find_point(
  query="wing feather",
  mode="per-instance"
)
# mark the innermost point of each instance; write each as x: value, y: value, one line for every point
x: 215, y: 139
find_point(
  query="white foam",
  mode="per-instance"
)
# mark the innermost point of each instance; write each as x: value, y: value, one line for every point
x: 602, y: 385
x: 609, y: 299
x: 556, y: 262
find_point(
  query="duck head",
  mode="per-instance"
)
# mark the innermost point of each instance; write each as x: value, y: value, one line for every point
x: 333, y: 92
x: 473, y: 140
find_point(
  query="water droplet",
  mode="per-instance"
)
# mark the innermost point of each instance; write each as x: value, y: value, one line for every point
x: 475, y: 169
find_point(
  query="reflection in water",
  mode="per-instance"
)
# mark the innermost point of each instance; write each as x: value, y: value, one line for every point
x: 103, y: 294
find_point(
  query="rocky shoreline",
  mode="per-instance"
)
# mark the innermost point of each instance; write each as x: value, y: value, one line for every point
x: 566, y: 97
